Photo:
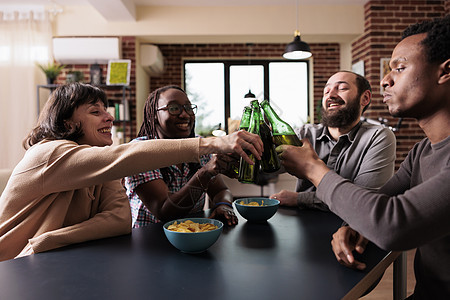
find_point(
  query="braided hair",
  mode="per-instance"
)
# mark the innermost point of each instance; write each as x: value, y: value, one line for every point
x: 150, y: 124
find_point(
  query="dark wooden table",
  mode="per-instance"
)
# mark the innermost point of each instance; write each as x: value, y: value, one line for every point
x: 289, y: 257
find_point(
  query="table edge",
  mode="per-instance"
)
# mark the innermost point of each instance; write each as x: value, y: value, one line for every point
x: 361, y: 287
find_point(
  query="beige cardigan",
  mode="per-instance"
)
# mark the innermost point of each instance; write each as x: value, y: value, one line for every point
x: 62, y: 193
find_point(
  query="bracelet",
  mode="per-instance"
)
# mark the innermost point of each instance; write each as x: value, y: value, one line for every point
x: 201, y: 185
x: 225, y: 203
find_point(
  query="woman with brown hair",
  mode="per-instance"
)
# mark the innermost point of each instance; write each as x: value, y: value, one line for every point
x: 66, y: 189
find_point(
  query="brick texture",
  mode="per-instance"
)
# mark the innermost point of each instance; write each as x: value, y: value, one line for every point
x: 384, y: 23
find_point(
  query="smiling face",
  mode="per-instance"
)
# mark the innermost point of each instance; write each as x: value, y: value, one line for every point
x: 410, y: 87
x: 95, y: 123
x: 341, y: 102
x: 174, y: 126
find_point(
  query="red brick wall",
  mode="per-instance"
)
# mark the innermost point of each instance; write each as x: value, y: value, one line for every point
x: 326, y: 60
x: 326, y: 63
x: 128, y: 52
x: 384, y: 23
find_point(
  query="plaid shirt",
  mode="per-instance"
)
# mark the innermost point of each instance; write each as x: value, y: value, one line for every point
x: 141, y: 216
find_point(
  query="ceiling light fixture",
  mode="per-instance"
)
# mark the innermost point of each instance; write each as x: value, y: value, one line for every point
x: 297, y: 49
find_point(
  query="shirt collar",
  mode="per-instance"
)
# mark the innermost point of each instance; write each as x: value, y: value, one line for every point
x: 350, y: 135
x: 325, y: 135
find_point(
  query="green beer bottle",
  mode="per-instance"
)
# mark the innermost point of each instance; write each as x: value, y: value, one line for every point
x: 249, y: 173
x: 269, y: 160
x: 282, y: 132
x: 243, y: 125
x: 245, y: 120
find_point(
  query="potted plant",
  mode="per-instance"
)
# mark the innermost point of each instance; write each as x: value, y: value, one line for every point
x: 74, y: 76
x: 51, y: 71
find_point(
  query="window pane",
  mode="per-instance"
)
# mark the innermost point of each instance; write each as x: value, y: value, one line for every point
x: 288, y: 86
x: 204, y: 87
x: 242, y: 79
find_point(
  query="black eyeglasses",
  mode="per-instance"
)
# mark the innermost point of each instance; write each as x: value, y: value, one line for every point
x: 176, y: 109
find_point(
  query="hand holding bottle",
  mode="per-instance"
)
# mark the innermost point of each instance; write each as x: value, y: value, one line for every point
x: 239, y: 142
x: 223, y: 164
x: 243, y: 125
x: 302, y: 162
x: 248, y: 173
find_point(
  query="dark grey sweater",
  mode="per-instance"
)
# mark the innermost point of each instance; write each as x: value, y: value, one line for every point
x: 412, y: 210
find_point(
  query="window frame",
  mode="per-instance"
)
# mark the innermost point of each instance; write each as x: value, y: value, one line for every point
x: 250, y: 62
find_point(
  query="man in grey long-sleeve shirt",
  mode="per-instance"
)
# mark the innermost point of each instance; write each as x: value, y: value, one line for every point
x: 413, y: 208
x: 361, y: 152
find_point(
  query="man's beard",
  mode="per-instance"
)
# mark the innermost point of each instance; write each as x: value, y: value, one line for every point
x: 341, y: 117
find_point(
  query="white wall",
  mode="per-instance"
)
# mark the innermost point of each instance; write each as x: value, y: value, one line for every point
x: 142, y: 88
x: 170, y: 24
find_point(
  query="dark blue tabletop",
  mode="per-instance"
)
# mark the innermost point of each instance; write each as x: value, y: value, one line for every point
x: 289, y: 257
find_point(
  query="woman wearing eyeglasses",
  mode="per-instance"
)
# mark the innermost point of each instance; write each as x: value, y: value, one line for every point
x: 168, y: 114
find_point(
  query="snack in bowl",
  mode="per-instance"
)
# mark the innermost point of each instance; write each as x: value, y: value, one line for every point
x: 193, y: 235
x: 191, y: 226
x: 253, y: 203
x: 256, y: 209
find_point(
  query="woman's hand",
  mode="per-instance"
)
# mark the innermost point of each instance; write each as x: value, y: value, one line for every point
x: 223, y: 164
x: 237, y: 142
x: 345, y: 241
x: 226, y: 214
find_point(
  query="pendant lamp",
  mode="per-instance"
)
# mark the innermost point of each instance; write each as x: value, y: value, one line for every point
x: 250, y: 95
x: 297, y: 49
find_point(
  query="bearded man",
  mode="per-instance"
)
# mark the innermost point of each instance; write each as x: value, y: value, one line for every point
x: 361, y: 152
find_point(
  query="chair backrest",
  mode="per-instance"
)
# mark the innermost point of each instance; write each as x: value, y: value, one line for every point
x: 4, y: 176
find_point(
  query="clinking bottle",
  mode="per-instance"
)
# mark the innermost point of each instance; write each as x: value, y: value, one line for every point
x: 249, y: 173
x: 282, y: 132
x: 244, y: 125
x: 245, y: 120
x: 269, y: 160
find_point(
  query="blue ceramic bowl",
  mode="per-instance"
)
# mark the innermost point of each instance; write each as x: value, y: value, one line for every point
x: 193, y: 242
x: 266, y: 209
